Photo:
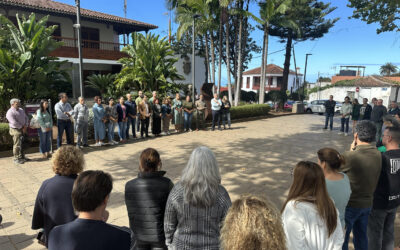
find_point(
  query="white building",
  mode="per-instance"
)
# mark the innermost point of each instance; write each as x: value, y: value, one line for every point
x: 184, y: 67
x: 100, y: 35
x: 274, y: 76
x: 363, y: 87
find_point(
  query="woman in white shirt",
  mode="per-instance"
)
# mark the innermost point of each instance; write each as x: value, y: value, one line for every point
x: 310, y: 219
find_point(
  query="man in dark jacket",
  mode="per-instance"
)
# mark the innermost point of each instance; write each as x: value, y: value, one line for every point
x: 394, y: 109
x: 387, y: 194
x: 378, y: 112
x: 131, y: 111
x: 329, y: 112
x: 365, y: 110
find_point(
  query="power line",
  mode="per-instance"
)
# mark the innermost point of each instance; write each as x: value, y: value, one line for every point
x: 274, y: 52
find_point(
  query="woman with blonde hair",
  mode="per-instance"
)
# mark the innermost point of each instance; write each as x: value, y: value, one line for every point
x: 197, y: 205
x: 53, y: 204
x: 253, y: 223
x: 309, y: 216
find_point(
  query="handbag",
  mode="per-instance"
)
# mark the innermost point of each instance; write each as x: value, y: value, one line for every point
x: 34, y: 122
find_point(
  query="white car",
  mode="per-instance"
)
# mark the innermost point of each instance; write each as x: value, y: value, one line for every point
x: 317, y: 106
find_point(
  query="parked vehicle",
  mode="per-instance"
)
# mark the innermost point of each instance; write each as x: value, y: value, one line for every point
x: 317, y: 106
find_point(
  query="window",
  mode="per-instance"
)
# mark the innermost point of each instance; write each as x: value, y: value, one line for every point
x: 248, y: 82
x: 314, y: 102
x: 256, y: 80
x: 91, y: 38
x: 57, y: 31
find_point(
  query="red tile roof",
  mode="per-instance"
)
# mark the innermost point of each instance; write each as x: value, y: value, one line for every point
x: 372, y: 81
x: 62, y: 8
x: 271, y: 69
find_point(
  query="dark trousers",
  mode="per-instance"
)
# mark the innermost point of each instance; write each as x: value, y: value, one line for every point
x: 144, y: 129
x: 381, y: 229
x: 329, y: 117
x: 216, y: 118
x: 356, y: 220
x: 378, y: 130
x: 344, y: 121
x: 131, y: 122
x: 138, y: 123
x: 67, y: 126
x: 150, y: 246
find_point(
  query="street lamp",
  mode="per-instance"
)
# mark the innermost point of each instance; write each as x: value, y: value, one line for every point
x: 77, y: 26
x: 195, y: 16
x: 305, y: 72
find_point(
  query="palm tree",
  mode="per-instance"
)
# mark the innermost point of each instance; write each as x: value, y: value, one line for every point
x: 388, y: 68
x: 101, y: 82
x: 224, y: 5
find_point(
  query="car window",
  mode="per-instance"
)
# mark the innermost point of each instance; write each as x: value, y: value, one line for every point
x: 321, y: 102
x: 314, y: 102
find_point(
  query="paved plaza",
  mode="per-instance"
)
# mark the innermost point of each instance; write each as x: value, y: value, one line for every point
x: 254, y: 157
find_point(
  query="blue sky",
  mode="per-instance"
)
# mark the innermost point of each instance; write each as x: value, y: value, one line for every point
x: 349, y: 42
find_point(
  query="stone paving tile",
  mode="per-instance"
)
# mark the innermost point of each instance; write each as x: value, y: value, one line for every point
x: 254, y: 157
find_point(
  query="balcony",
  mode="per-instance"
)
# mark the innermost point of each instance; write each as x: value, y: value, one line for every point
x: 90, y: 49
x: 267, y: 88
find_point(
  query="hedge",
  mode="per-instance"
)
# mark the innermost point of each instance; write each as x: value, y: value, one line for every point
x: 249, y: 110
x: 5, y: 137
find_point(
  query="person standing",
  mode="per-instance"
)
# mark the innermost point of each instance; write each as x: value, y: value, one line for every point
x: 378, y: 112
x: 355, y: 113
x: 345, y: 111
x: 373, y: 102
x: 362, y: 165
x: 63, y: 111
x: 151, y: 102
x: 131, y: 111
x: 99, y: 121
x: 329, y: 112
x: 394, y: 109
x: 188, y: 108
x: 156, y: 128
x: 145, y: 113
x: 145, y: 199
x: 177, y: 107
x: 309, y: 216
x: 365, y: 110
x: 18, y: 123
x: 112, y: 118
x: 216, y: 105
x: 197, y: 205
x: 226, y: 112
x: 138, y: 100
x: 166, y: 115
x: 81, y: 117
x: 201, y: 113
x: 122, y: 119
x: 337, y: 183
x: 46, y: 125
x: 387, y: 194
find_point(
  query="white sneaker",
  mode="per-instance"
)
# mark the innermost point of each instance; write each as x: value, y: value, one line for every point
x: 102, y: 143
x: 97, y: 145
x: 346, y: 134
x: 190, y: 130
x: 114, y: 142
x: 340, y: 133
x: 168, y: 133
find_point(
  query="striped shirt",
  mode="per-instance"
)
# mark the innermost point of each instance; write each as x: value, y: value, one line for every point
x: 189, y: 227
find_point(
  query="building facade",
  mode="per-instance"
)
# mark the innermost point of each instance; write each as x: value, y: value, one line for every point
x: 101, y: 47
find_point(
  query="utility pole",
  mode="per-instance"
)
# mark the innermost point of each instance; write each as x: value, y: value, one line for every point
x: 195, y: 16
x: 296, y: 81
x: 77, y: 26
x: 305, y: 72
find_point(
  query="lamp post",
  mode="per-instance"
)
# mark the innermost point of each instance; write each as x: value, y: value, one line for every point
x: 77, y: 26
x: 195, y: 16
x: 305, y: 72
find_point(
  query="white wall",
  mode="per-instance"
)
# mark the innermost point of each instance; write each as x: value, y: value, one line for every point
x: 200, y: 74
x: 339, y: 93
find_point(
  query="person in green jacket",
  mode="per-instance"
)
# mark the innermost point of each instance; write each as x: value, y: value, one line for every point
x: 355, y: 114
x: 46, y: 124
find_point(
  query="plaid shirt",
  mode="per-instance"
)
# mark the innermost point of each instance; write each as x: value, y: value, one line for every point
x: 189, y: 227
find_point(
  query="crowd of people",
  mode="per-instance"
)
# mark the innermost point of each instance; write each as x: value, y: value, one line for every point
x: 136, y: 114
x: 357, y: 191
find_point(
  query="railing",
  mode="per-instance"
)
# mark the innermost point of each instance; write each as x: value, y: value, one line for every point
x: 90, y: 44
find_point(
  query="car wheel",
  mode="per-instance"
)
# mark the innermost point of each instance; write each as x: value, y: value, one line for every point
x: 309, y: 111
x: 320, y: 113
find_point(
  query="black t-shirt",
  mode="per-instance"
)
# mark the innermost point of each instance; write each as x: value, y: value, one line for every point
x: 82, y: 234
x: 387, y: 193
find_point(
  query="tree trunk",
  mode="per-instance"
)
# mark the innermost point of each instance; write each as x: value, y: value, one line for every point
x: 207, y: 58
x: 212, y: 51
x: 239, y: 63
x: 287, y: 63
x: 228, y: 62
x: 263, y: 65
x: 220, y: 53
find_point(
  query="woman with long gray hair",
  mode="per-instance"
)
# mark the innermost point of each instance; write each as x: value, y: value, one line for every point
x: 197, y: 205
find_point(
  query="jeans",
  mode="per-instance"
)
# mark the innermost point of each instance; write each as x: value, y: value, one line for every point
x: 187, y: 124
x: 381, y: 229
x: 357, y: 220
x: 99, y: 130
x: 67, y: 126
x: 81, y: 129
x: 110, y: 131
x: 45, y: 141
x: 344, y: 121
x: 226, y: 118
x: 378, y: 130
x: 330, y: 118
x: 131, y: 122
x: 216, y: 117
x: 122, y: 130
x: 144, y: 128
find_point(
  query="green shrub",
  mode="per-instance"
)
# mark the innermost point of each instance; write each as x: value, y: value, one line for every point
x: 249, y: 110
x: 5, y: 137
